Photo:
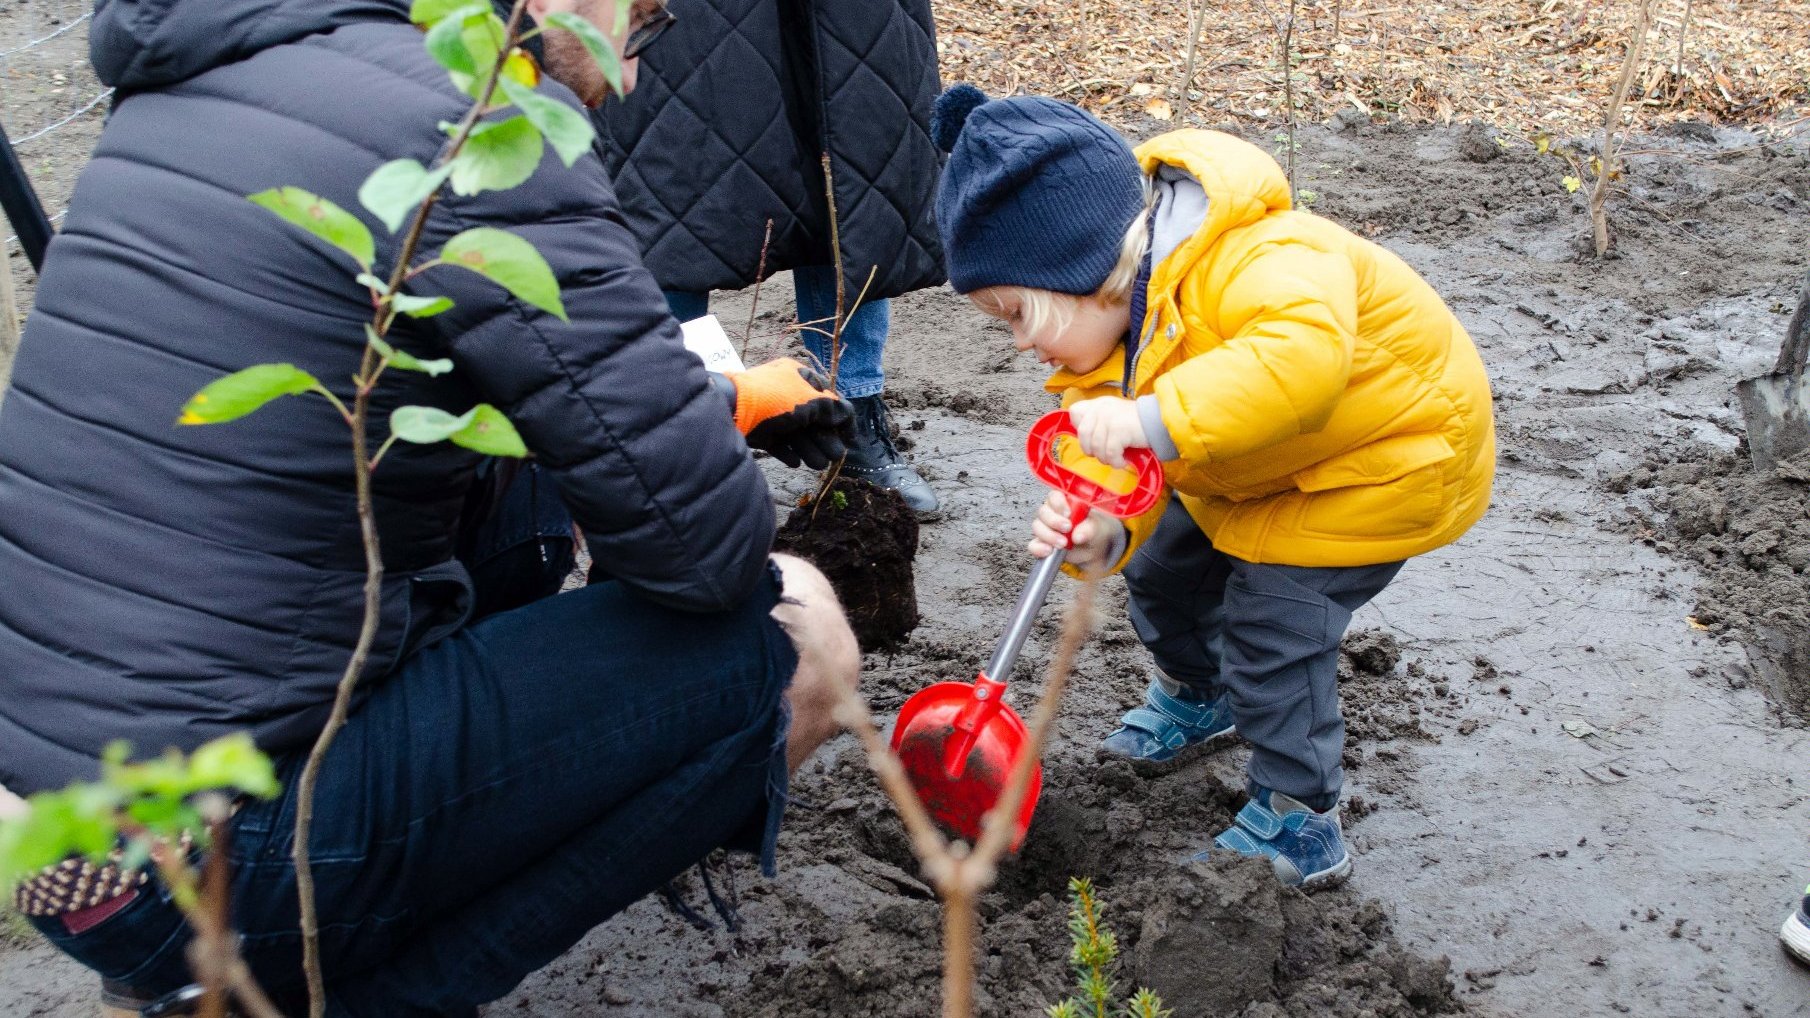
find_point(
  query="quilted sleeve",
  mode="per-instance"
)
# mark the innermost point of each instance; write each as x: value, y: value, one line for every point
x: 648, y: 460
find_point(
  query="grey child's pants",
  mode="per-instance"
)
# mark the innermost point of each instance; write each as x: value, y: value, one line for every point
x: 1266, y: 634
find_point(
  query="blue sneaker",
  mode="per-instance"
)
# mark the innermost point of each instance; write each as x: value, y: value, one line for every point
x: 1306, y: 849
x: 1795, y: 934
x: 1165, y: 725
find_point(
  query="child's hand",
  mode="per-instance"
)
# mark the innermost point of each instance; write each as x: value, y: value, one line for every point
x: 1095, y: 541
x: 1106, y: 427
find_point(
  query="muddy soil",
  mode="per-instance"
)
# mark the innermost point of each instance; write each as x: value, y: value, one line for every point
x: 1750, y: 531
x: 1553, y: 784
x: 1565, y: 775
x: 1127, y: 828
x: 864, y: 538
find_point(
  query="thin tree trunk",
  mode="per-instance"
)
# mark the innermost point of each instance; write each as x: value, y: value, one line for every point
x: 1288, y: 92
x: 1197, y: 18
x: 373, y: 590
x: 1684, y: 32
x: 1599, y: 195
x: 958, y: 953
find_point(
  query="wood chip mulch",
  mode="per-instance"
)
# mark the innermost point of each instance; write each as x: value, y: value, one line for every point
x: 1531, y: 67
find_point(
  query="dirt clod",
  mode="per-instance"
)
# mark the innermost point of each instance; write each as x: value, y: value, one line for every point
x: 864, y: 538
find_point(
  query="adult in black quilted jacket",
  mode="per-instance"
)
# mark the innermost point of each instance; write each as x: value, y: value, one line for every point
x: 727, y: 130
x: 166, y: 585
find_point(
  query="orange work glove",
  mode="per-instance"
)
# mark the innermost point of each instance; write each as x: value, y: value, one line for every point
x: 786, y: 409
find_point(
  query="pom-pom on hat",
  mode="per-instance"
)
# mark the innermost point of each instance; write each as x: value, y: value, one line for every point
x: 1036, y: 192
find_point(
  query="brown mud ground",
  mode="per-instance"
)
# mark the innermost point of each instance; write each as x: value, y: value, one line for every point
x: 1565, y: 775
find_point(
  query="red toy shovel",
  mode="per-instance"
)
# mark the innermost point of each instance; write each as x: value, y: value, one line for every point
x: 959, y: 741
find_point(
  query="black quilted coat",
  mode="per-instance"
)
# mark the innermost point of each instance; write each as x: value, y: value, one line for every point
x: 168, y: 584
x: 737, y: 103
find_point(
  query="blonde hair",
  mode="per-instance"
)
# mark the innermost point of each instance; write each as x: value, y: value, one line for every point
x: 1045, y: 309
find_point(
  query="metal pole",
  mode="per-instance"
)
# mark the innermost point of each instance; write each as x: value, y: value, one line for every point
x: 21, y: 205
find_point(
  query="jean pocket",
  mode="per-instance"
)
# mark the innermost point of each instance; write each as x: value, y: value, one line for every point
x: 140, y: 944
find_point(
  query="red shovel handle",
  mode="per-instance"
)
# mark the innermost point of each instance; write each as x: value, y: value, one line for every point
x: 1039, y: 449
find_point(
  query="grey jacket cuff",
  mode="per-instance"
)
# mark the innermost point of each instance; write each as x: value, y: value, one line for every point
x: 1150, y: 415
x: 721, y: 383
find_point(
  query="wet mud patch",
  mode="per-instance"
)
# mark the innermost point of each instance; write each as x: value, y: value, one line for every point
x: 864, y: 538
x: 1750, y: 531
x: 1221, y: 938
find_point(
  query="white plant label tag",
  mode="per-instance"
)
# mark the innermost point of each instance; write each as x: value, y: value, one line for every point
x: 706, y: 338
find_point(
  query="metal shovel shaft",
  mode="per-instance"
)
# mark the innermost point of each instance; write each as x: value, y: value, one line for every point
x: 1024, y: 614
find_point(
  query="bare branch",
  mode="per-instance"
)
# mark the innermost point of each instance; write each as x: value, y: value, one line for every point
x: 760, y: 275
x: 1000, y: 821
x: 367, y: 522
x: 829, y: 195
x: 928, y: 843
x: 1684, y: 33
x: 960, y: 875
x: 1197, y: 18
x: 1606, y: 168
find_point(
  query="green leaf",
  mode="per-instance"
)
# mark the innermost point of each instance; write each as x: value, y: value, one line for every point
x: 421, y: 307
x: 429, y: 12
x: 367, y: 280
x: 483, y: 36
x: 510, y: 262
x: 483, y: 429
x: 569, y: 131
x: 394, y: 190
x: 233, y: 762
x: 240, y: 393
x: 490, y: 433
x: 497, y: 156
x: 164, y: 814
x: 405, y: 360
x: 445, y: 43
x: 602, y: 49
x: 322, y: 218
x: 425, y: 425
x: 74, y: 820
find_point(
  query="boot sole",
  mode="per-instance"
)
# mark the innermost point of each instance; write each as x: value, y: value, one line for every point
x: 1328, y: 878
x: 1147, y: 767
x: 1796, y: 937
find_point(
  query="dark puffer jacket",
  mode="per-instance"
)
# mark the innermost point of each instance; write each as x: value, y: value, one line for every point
x: 169, y: 584
x: 735, y: 106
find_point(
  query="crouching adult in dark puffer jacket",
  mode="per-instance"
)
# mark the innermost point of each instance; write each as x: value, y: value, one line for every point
x: 736, y: 109
x: 503, y: 785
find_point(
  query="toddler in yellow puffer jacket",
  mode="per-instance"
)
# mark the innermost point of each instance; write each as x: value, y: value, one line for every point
x: 1320, y: 414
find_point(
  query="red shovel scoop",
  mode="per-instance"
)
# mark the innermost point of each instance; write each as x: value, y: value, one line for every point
x: 959, y: 741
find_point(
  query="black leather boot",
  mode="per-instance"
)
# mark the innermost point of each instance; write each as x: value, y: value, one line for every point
x: 874, y: 458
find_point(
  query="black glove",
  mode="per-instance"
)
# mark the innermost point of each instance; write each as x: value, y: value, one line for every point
x: 788, y: 410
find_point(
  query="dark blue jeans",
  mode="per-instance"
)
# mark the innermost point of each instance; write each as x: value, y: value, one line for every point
x: 860, y: 372
x: 505, y: 791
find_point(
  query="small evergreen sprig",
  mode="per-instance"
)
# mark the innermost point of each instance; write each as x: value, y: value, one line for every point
x: 1094, y: 952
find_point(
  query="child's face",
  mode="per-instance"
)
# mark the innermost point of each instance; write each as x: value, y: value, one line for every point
x: 1080, y: 343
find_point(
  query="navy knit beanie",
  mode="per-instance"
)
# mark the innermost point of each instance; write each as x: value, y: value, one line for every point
x: 1036, y: 192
